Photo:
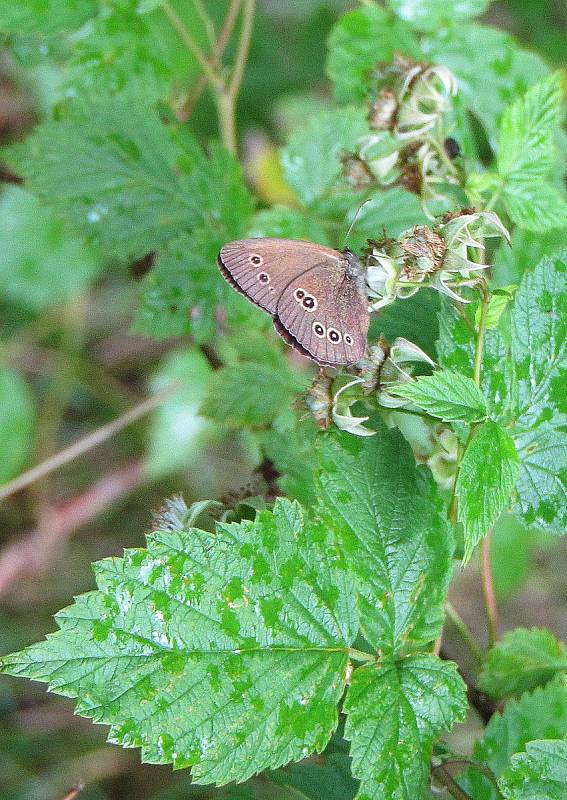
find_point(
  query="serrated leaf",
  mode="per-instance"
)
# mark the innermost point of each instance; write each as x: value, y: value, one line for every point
x: 486, y: 477
x: 288, y: 223
x: 498, y: 304
x: 385, y: 514
x: 527, y: 249
x: 359, y: 40
x: 526, y: 149
x: 491, y: 69
x: 445, y: 394
x: 522, y: 660
x: 184, y: 290
x: 225, y: 652
x: 40, y: 262
x: 17, y: 422
x: 538, y: 774
x: 541, y: 714
x: 249, y: 394
x: 44, y: 17
x: 394, y: 711
x: 330, y: 777
x: 311, y: 159
x: 536, y: 206
x: 120, y: 176
x: 430, y: 15
x: 394, y: 211
x: 539, y: 348
x: 523, y: 378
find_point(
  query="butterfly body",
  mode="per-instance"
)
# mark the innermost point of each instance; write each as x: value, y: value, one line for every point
x: 316, y: 295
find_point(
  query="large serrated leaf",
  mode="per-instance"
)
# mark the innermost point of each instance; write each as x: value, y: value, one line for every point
x: 226, y: 652
x: 523, y: 378
x: 522, y: 660
x: 487, y: 475
x: 385, y: 516
x: 538, y: 774
x: 430, y: 15
x: 445, y: 394
x: 394, y: 711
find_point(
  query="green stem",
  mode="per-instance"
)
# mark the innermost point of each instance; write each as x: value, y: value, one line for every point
x: 359, y: 655
x: 479, y: 350
x: 207, y: 21
x: 465, y: 632
x: 215, y: 80
x: 243, y: 48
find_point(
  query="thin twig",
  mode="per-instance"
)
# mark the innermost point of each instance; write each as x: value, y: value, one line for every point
x: 86, y: 443
x: 30, y: 555
x: 218, y: 51
x: 214, y: 79
x: 488, y: 590
x: 208, y: 23
x: 243, y: 48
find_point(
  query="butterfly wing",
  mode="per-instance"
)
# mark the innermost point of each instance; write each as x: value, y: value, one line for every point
x: 260, y: 269
x: 323, y: 313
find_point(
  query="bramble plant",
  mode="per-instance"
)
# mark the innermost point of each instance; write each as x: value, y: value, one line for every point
x: 246, y: 636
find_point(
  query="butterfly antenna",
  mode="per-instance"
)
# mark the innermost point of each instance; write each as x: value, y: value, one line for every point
x: 354, y: 221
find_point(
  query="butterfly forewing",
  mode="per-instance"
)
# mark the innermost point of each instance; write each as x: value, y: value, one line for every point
x: 315, y: 294
x: 262, y: 268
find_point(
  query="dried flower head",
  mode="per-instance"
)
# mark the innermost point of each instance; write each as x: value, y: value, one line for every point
x: 319, y: 400
x: 437, y: 257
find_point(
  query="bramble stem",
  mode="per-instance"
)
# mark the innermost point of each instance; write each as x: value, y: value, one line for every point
x: 465, y: 632
x: 488, y: 590
x: 86, y: 443
x: 450, y: 783
x: 479, y: 350
x: 243, y: 48
x: 208, y: 23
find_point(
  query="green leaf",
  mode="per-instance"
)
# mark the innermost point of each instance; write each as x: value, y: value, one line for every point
x: 385, y: 514
x: 225, y: 652
x: 288, y: 223
x: 329, y: 777
x: 40, y: 262
x: 527, y: 153
x: 394, y: 211
x: 536, y: 206
x: 487, y: 475
x: 17, y: 422
x: 177, y: 432
x: 538, y: 774
x: 184, y: 291
x: 289, y: 445
x: 523, y: 378
x: 121, y: 177
x: 447, y: 395
x: 498, y: 304
x: 249, y: 394
x: 539, y: 348
x: 491, y: 69
x: 527, y: 249
x: 430, y: 15
x: 311, y: 159
x: 522, y: 660
x: 358, y: 42
x: 536, y: 715
x: 44, y: 17
x: 526, y: 150
x: 394, y: 711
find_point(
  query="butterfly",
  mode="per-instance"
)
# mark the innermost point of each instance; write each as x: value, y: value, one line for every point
x: 316, y: 295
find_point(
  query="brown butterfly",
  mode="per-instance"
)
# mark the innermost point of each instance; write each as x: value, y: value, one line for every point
x: 316, y: 295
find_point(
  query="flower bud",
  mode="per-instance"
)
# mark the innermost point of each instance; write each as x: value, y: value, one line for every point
x: 319, y: 400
